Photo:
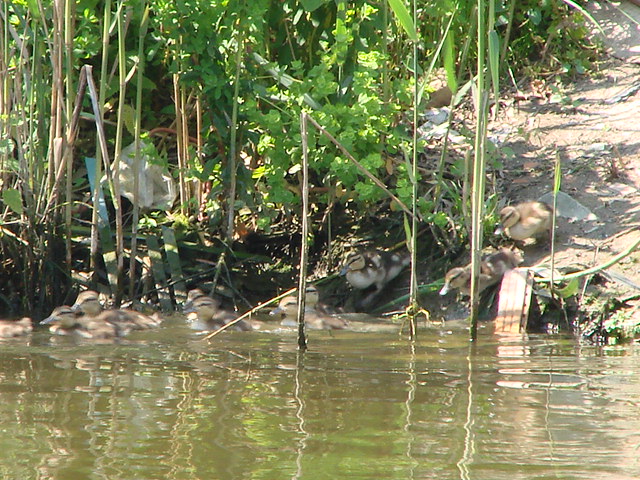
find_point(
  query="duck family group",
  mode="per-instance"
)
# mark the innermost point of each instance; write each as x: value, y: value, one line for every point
x: 368, y: 271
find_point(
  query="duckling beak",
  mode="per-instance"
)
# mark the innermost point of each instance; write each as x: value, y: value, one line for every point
x: 445, y: 289
x: 48, y: 320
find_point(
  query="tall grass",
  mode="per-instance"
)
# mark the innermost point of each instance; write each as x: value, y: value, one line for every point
x: 137, y: 137
x: 115, y: 177
x: 487, y: 46
x: 31, y: 100
x: 37, y: 137
x: 104, y: 63
x: 407, y: 21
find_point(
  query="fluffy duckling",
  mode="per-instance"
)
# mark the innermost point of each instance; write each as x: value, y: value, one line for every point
x: 373, y: 268
x: 194, y: 293
x: 65, y: 321
x: 288, y: 307
x: 208, y: 314
x: 492, y: 269
x: 525, y: 220
x: 460, y: 278
x: 88, y: 303
x: 17, y: 328
x: 498, y: 263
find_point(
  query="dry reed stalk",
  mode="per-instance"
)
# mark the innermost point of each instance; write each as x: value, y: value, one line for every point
x: 304, y: 246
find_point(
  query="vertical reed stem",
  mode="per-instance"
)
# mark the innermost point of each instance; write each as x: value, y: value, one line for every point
x: 477, y: 197
x: 184, y: 147
x: 199, y: 191
x: 106, y: 22
x: 68, y: 152
x: 55, y: 129
x: 302, y: 281
x: 115, y: 168
x: 4, y: 84
x: 413, y: 290
x: 557, y: 182
x: 233, y: 167
x: 136, y: 160
x: 180, y: 118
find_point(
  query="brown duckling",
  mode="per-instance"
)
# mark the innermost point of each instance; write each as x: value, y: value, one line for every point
x: 492, y: 268
x: 525, y: 220
x: 15, y: 328
x: 208, y: 314
x: 288, y: 307
x: 373, y: 268
x: 195, y: 293
x: 376, y: 267
x: 65, y: 321
x: 88, y: 303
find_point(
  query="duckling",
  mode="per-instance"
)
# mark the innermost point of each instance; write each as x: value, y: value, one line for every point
x: 194, y: 293
x: 88, y: 302
x: 65, y: 321
x: 209, y: 315
x: 460, y: 278
x: 373, y: 268
x: 288, y: 307
x: 492, y: 269
x: 498, y: 263
x: 525, y: 220
x: 11, y: 328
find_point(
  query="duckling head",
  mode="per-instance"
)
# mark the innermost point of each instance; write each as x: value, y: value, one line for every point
x: 364, y: 269
x: 289, y: 304
x: 311, y: 296
x: 288, y: 307
x: 192, y: 295
x: 63, y: 316
x: 525, y: 220
x: 355, y: 263
x: 195, y: 293
x: 88, y: 302
x: 203, y: 306
x: 457, y: 277
x: 509, y: 216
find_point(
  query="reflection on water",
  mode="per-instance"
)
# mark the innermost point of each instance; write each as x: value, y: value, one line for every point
x: 358, y: 404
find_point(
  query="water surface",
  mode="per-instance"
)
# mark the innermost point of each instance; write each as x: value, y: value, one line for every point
x: 358, y: 404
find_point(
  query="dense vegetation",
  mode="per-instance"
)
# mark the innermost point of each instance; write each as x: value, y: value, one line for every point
x: 212, y: 93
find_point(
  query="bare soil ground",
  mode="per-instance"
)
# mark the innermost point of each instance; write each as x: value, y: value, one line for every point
x: 593, y: 126
x: 596, y: 134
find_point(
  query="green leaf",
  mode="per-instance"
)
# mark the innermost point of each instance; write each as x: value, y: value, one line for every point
x: 404, y: 18
x: 407, y: 228
x: 129, y: 119
x: 557, y: 175
x: 570, y: 290
x: 32, y: 5
x: 12, y: 199
x: 450, y: 61
x: 311, y: 5
x: 494, y: 63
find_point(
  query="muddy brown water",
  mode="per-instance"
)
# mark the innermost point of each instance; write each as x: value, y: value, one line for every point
x: 364, y: 404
